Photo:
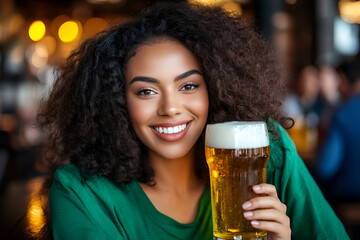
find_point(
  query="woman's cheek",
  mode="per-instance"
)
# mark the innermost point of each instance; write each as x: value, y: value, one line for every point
x: 200, y: 105
x: 140, y: 111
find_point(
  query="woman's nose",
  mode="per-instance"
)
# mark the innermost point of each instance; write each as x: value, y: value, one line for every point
x: 170, y: 105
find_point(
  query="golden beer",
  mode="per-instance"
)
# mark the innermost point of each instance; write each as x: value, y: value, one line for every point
x: 235, y: 166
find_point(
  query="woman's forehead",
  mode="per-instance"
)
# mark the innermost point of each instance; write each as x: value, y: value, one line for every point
x: 161, y: 57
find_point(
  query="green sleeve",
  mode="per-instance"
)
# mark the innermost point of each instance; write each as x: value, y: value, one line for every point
x: 310, y: 214
x: 71, y: 218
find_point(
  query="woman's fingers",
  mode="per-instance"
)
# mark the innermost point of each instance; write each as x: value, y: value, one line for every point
x: 271, y: 199
x: 265, y: 188
x: 267, y: 212
x: 268, y: 215
x: 264, y: 202
x: 282, y: 231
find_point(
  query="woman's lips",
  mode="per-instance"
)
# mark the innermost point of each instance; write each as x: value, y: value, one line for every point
x: 171, y: 132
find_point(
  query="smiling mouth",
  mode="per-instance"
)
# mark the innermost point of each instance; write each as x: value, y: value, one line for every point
x: 171, y: 130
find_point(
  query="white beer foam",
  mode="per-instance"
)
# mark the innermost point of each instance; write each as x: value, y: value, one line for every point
x: 231, y: 135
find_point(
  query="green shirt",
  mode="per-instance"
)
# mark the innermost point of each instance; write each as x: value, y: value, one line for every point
x: 99, y: 208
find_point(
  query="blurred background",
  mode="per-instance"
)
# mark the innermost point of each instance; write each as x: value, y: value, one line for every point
x: 312, y: 38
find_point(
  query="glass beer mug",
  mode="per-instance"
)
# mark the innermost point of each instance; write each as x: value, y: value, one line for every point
x: 237, y: 154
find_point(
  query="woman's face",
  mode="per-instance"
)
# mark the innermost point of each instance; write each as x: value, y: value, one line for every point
x: 167, y: 98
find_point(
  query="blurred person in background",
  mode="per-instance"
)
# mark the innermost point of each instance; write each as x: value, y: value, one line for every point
x: 305, y: 106
x: 338, y: 165
x: 304, y: 99
x: 329, y: 96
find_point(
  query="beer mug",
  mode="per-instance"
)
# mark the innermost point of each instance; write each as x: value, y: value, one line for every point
x: 237, y: 154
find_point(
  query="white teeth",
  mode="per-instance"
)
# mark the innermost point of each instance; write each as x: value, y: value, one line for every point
x: 171, y: 130
x: 177, y: 129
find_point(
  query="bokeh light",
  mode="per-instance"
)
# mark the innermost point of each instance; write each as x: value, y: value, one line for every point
x: 56, y: 23
x: 35, y: 215
x: 39, y: 57
x: 232, y: 7
x: 15, y: 23
x: 69, y: 31
x: 207, y: 2
x: 93, y: 26
x: 8, y: 122
x: 50, y: 43
x: 37, y: 30
x: 350, y: 11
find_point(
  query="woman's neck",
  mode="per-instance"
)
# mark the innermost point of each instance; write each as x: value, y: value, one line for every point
x: 177, y: 191
x: 174, y: 174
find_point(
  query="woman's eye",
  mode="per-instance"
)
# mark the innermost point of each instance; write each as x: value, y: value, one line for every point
x: 189, y: 87
x: 145, y: 92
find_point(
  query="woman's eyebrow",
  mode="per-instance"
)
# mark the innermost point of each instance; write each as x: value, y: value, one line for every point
x: 143, y: 79
x: 153, y: 80
x: 186, y: 74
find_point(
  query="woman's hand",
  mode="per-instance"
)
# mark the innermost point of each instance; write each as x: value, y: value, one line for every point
x: 268, y: 213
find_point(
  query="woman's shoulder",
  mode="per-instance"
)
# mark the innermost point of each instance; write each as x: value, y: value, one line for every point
x: 69, y: 176
x: 280, y: 146
x: 70, y: 187
x: 92, y: 204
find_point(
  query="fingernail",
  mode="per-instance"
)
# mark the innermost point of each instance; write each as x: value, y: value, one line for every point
x: 246, y: 205
x: 256, y: 188
x: 248, y: 214
x: 255, y: 223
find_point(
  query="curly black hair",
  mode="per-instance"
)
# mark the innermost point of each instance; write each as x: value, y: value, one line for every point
x: 86, y: 113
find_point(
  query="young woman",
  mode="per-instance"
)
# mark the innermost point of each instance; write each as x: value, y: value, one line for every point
x: 127, y: 117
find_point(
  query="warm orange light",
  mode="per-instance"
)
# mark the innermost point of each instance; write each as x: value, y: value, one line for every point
x: 39, y: 57
x: 7, y: 122
x: 69, y: 31
x: 93, y: 26
x: 232, y: 7
x: 208, y: 2
x: 37, y: 30
x: 215, y: 174
x: 56, y: 23
x: 350, y: 11
x: 35, y: 214
x: 50, y: 43
x: 15, y: 23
